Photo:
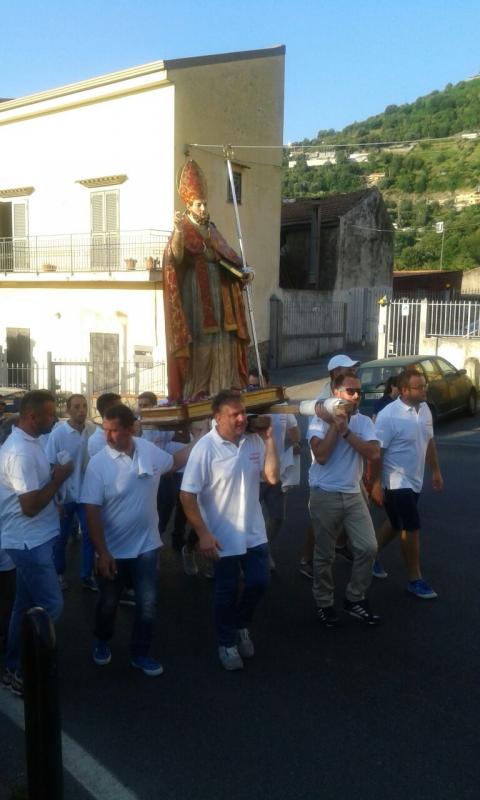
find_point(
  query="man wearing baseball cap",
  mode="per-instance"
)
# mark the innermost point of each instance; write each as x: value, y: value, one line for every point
x: 337, y: 366
x: 339, y: 448
x: 344, y: 361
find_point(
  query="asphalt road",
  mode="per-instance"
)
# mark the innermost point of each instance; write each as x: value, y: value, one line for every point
x: 355, y: 712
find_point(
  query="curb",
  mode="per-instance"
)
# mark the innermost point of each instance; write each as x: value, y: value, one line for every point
x: 446, y: 442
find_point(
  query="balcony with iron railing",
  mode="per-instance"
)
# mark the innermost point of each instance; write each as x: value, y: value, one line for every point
x: 126, y: 251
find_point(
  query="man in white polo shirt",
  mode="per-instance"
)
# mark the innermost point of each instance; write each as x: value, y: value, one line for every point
x: 169, y: 488
x: 70, y: 439
x: 337, y: 365
x: 405, y: 432
x: 220, y: 495
x: 119, y: 492
x: 339, y: 448
x: 29, y: 521
x: 98, y: 441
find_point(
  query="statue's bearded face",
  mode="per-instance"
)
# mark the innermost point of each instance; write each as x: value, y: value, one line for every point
x: 198, y: 212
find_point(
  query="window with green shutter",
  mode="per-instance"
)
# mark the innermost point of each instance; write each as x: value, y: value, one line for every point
x: 21, y: 255
x: 105, y: 230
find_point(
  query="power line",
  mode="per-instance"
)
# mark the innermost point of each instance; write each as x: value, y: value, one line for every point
x: 336, y: 145
x: 451, y: 226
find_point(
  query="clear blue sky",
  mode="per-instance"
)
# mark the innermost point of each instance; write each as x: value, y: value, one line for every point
x: 345, y: 60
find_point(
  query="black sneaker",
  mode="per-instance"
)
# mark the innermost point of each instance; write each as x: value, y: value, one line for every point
x: 7, y: 677
x: 306, y: 568
x: 361, y: 610
x: 16, y: 686
x: 13, y: 681
x: 328, y: 616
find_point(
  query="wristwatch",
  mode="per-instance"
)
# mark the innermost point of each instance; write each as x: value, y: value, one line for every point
x: 347, y: 434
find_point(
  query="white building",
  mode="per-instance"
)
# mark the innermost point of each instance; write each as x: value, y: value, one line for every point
x: 88, y: 195
x: 318, y: 158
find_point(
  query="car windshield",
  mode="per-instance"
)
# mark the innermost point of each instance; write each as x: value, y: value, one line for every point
x: 376, y: 376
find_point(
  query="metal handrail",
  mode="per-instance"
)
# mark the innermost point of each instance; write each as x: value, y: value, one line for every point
x: 83, y: 252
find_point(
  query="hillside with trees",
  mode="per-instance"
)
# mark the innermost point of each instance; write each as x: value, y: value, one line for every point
x: 422, y: 181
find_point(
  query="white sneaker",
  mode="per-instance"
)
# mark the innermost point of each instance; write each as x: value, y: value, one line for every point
x: 189, y: 562
x: 230, y: 657
x: 127, y: 598
x: 244, y: 643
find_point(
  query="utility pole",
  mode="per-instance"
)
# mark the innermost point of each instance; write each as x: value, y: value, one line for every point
x: 440, y: 228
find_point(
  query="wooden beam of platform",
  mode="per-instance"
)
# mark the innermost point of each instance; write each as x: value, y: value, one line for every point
x: 261, y: 400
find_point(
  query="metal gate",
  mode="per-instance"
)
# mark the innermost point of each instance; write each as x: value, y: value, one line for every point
x: 303, y: 329
x: 402, y: 329
x: 84, y: 377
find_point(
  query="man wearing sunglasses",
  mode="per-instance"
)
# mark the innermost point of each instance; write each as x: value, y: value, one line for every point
x: 339, y: 447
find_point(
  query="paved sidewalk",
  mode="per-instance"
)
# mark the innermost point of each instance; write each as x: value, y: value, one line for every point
x: 306, y: 381
x: 460, y: 438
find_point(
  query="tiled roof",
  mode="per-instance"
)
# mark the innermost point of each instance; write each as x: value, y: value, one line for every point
x: 408, y: 273
x: 331, y: 206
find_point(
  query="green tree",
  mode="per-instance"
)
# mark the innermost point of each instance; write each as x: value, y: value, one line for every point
x: 472, y: 247
x: 421, y: 182
x: 405, y: 213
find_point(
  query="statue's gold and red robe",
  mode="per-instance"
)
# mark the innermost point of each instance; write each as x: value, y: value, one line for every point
x: 178, y: 334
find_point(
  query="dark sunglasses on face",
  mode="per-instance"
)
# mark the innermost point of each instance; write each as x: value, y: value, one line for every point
x: 352, y: 392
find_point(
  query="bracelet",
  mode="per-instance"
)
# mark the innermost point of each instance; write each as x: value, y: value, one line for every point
x: 347, y: 434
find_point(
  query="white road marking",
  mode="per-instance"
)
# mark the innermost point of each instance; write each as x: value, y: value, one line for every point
x: 97, y: 780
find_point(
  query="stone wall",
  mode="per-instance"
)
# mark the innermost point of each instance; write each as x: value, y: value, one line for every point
x: 365, y: 247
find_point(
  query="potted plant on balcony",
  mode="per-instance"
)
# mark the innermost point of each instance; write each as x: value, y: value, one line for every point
x: 131, y: 263
x: 152, y: 263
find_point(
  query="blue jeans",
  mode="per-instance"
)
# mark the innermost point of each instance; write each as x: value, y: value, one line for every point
x: 232, y: 611
x: 141, y: 573
x: 36, y: 585
x: 66, y: 527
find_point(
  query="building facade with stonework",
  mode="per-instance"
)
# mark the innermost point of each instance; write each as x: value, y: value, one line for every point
x: 336, y: 242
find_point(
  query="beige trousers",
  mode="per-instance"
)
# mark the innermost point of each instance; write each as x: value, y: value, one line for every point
x: 329, y: 511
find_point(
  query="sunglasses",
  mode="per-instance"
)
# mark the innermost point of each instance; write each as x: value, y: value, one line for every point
x: 351, y: 392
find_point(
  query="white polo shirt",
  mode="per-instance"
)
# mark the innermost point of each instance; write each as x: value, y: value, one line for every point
x: 64, y: 437
x: 343, y: 470
x: 6, y: 563
x: 126, y: 489
x: 226, y: 480
x: 158, y: 437
x: 24, y: 468
x: 281, y: 423
x: 97, y: 441
x: 404, y: 435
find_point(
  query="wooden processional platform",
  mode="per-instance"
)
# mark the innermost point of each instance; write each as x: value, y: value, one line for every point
x: 271, y: 400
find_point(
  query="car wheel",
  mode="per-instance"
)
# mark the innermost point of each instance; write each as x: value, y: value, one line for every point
x: 471, y: 407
